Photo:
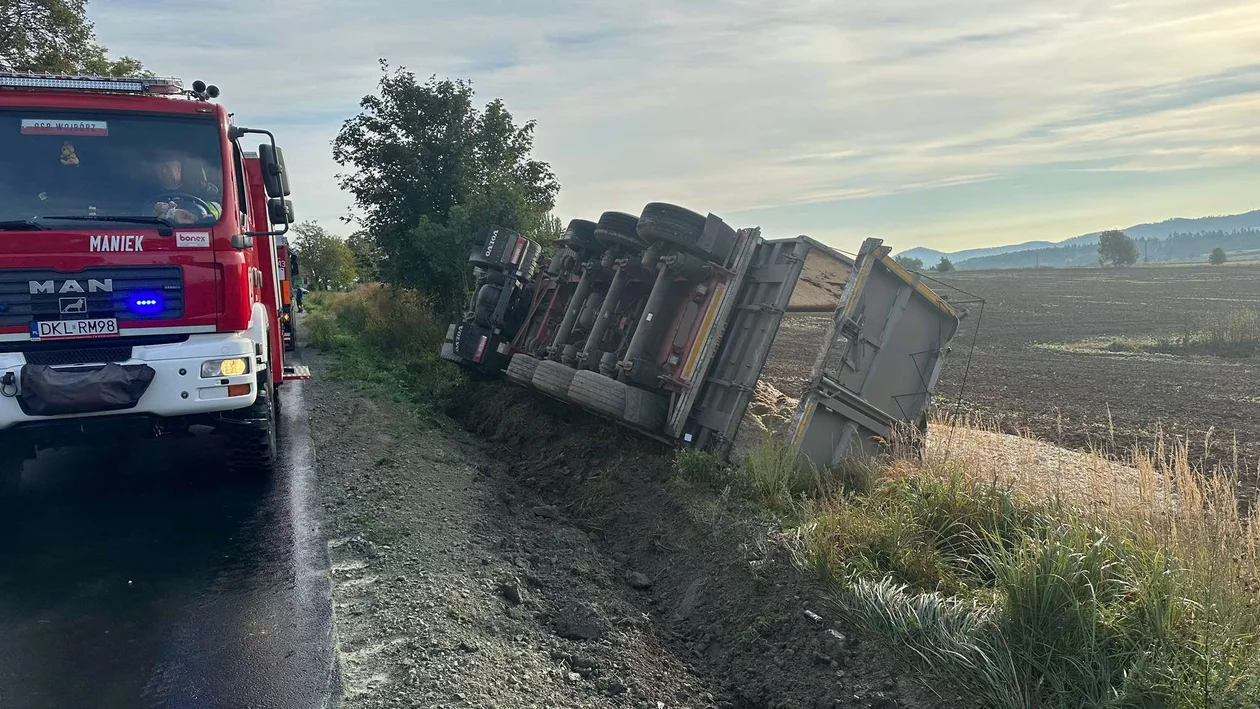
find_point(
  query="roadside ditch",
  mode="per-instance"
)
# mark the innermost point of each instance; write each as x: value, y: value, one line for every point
x: 540, y: 558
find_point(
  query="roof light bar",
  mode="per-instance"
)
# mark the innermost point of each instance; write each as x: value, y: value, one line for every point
x: 126, y: 85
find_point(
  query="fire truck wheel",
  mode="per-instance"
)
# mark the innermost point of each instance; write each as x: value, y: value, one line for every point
x: 671, y: 223
x: 521, y: 369
x: 252, y: 448
x: 619, y: 229
x: 645, y: 409
x: 598, y: 393
x: 551, y: 377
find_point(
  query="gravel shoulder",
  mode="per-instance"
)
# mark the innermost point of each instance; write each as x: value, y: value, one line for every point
x: 546, y: 560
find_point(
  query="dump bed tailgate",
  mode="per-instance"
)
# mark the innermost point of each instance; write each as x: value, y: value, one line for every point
x: 885, y: 347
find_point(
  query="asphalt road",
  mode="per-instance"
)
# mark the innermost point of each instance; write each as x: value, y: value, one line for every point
x: 151, y: 580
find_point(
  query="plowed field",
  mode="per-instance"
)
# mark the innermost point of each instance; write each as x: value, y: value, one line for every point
x: 1040, y: 364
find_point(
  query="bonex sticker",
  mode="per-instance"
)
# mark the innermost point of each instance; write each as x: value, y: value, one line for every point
x: 52, y: 126
x: 192, y: 239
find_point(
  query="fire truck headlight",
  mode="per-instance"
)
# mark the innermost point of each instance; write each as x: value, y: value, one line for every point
x: 224, y: 367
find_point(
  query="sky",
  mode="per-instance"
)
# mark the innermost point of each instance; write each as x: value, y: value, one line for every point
x: 949, y: 124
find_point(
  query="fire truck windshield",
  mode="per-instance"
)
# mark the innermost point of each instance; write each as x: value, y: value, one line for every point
x: 106, y: 167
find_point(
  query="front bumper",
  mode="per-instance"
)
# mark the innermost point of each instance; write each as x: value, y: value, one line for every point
x: 177, y: 388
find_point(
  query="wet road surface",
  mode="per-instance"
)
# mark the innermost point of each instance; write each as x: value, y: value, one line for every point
x: 150, y: 580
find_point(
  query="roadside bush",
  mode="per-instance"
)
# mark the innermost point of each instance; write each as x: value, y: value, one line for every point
x: 389, y: 338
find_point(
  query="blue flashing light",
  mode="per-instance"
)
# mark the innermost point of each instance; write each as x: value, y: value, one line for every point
x: 146, y: 303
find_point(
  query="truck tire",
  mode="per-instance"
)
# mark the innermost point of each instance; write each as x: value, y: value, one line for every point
x: 521, y: 369
x: 554, y: 378
x: 598, y: 393
x: 668, y: 222
x: 645, y: 409
x: 580, y: 235
x: 619, y: 229
x: 251, y: 448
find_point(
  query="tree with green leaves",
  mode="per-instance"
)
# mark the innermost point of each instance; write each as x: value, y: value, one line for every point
x: 326, y: 261
x: 1116, y: 248
x: 428, y: 169
x: 367, y: 257
x: 55, y: 36
x: 944, y: 265
x: 910, y: 263
x: 1217, y: 257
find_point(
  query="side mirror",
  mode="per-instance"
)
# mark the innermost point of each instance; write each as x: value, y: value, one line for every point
x: 275, y: 177
x: 280, y: 211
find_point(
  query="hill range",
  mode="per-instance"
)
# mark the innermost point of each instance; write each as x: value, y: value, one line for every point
x: 1170, y: 240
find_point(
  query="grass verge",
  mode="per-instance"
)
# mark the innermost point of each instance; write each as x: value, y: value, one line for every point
x: 388, y: 339
x: 1030, y: 600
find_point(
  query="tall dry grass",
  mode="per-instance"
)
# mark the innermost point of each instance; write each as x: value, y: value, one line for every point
x: 1028, y: 576
x: 1234, y: 333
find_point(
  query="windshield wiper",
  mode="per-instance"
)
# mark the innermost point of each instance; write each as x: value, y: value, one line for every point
x: 164, y: 226
x: 22, y: 225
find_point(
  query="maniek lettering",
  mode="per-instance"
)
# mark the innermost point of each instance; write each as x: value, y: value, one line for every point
x: 117, y: 242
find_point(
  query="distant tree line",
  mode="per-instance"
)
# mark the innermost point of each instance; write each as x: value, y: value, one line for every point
x: 916, y: 264
x: 1177, y: 247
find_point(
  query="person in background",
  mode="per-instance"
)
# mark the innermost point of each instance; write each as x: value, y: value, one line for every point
x: 297, y: 294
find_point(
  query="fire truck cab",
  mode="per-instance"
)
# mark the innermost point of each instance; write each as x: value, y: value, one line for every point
x: 140, y: 293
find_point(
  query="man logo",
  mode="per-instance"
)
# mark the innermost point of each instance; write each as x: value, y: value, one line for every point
x: 105, y: 285
x: 74, y: 306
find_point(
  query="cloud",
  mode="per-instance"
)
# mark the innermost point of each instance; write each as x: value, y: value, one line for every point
x: 854, y: 116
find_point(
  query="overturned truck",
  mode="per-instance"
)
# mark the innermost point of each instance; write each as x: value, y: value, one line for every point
x: 664, y: 323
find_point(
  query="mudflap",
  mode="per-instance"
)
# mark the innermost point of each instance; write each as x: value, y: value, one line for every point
x: 46, y: 391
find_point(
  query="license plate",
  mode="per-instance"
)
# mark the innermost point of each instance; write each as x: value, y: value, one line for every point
x: 71, y: 329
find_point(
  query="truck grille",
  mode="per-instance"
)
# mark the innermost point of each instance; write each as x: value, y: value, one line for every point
x: 122, y: 292
x: 92, y: 355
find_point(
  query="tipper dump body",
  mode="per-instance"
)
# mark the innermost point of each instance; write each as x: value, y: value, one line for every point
x: 664, y: 323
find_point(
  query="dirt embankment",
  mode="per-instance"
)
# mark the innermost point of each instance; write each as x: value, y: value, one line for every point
x: 548, y: 561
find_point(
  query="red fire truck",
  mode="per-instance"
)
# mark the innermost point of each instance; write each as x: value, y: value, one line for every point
x: 139, y: 289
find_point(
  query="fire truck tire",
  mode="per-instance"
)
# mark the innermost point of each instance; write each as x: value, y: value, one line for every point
x: 252, y: 449
x: 645, y: 409
x: 598, y: 393
x: 619, y: 229
x: 521, y: 369
x: 552, y: 377
x: 676, y: 225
